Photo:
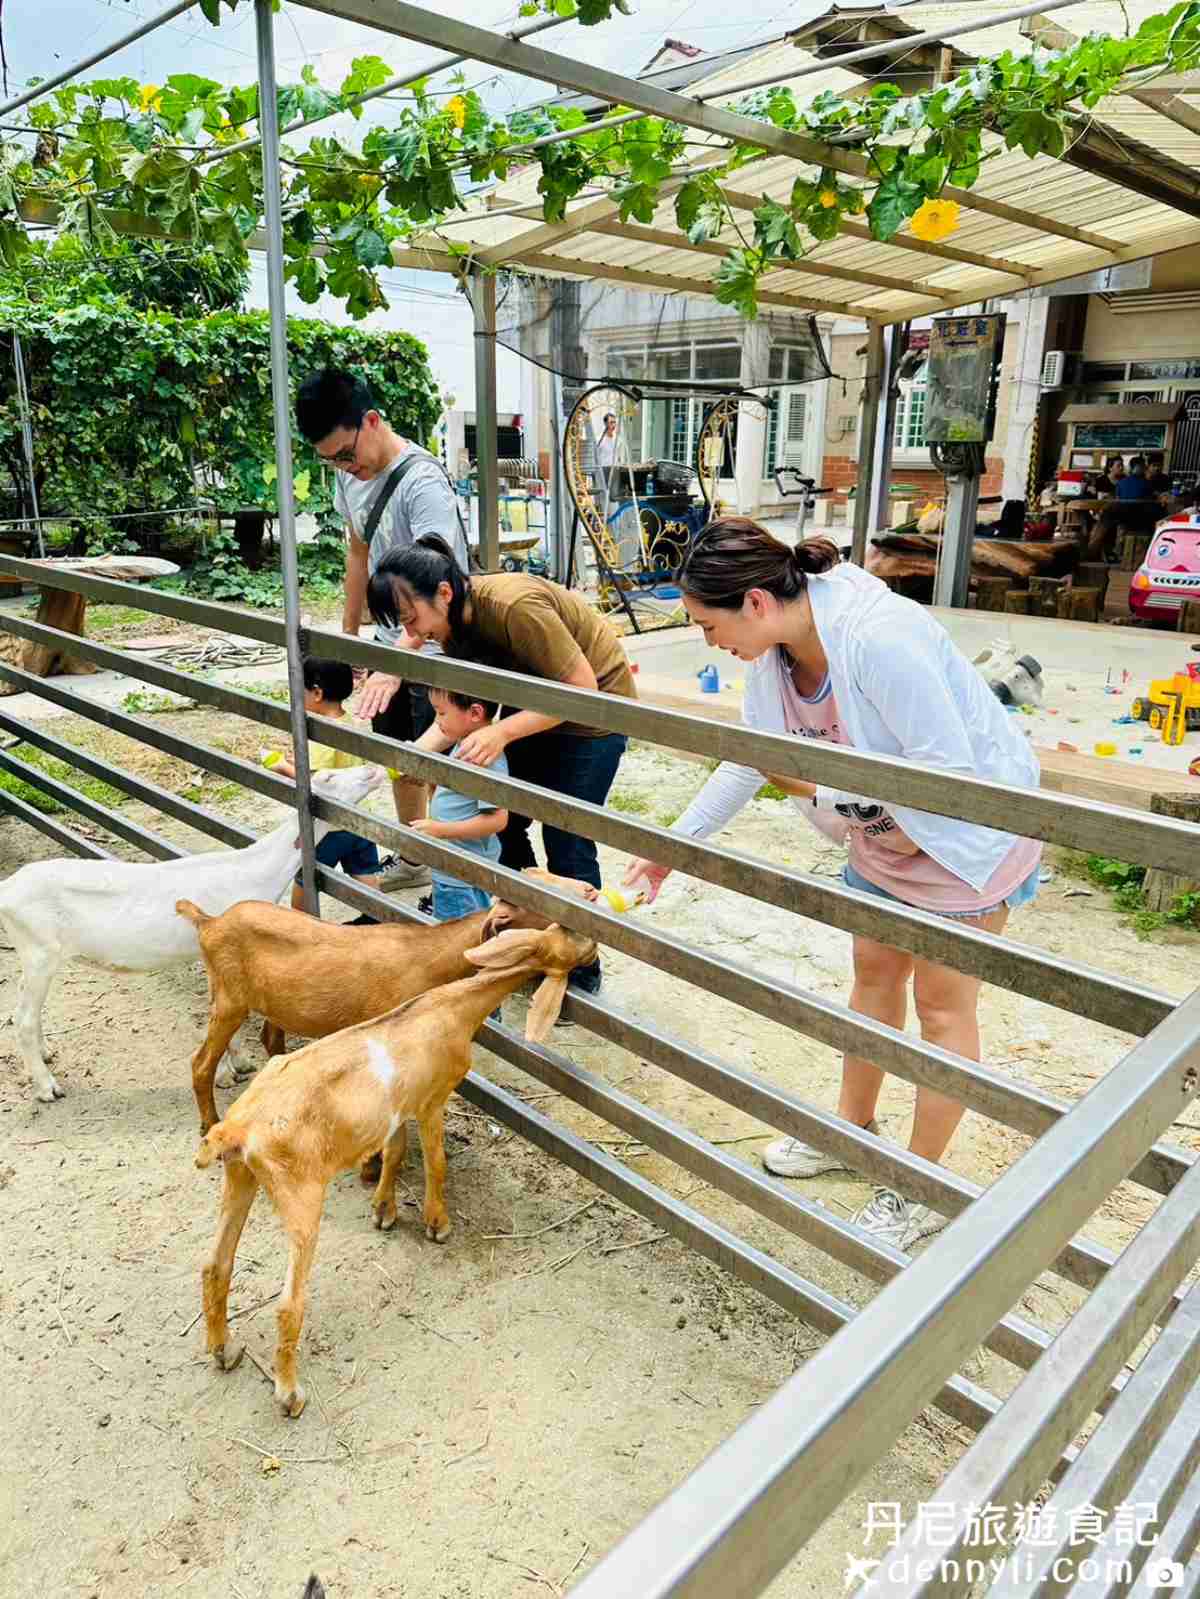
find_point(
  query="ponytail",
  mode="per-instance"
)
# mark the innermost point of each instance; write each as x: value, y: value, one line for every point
x: 734, y: 555
x: 422, y: 567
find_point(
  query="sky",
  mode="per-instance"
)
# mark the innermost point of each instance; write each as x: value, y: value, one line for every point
x: 44, y: 38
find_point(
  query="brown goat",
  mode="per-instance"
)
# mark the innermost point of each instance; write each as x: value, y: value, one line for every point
x: 312, y: 978
x: 316, y: 1112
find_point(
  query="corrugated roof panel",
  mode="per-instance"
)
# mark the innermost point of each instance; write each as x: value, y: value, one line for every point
x: 1044, y: 189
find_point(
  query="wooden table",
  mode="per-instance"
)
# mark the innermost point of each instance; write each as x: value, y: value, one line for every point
x: 1072, y: 512
x: 65, y: 610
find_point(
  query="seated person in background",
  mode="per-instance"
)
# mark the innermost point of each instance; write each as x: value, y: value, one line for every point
x: 1133, y: 486
x: 475, y: 824
x: 1157, y: 480
x: 1114, y: 471
x: 327, y: 685
x: 1135, y: 509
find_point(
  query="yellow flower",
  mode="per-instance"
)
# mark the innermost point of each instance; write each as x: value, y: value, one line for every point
x: 457, y: 108
x: 151, y: 97
x: 936, y: 219
x: 828, y: 199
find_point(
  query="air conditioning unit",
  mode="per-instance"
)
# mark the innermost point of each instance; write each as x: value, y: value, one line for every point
x: 1054, y: 369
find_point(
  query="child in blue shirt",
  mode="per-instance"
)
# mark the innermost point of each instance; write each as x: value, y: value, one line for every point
x: 472, y: 824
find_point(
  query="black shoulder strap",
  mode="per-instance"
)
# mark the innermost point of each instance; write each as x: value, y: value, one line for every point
x: 399, y: 472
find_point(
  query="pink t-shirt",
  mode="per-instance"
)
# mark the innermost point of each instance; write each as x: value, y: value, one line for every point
x: 918, y: 880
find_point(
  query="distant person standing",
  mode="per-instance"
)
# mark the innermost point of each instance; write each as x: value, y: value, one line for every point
x: 606, y: 452
x: 389, y: 492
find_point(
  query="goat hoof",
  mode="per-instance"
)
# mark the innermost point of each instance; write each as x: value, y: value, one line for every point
x: 370, y: 1169
x: 437, y: 1235
x: 225, y: 1076
x: 51, y: 1090
x: 228, y: 1357
x: 292, y: 1403
x: 385, y: 1215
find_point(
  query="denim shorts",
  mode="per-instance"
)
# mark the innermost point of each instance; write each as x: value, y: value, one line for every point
x: 452, y: 900
x: 358, y: 857
x: 1024, y: 894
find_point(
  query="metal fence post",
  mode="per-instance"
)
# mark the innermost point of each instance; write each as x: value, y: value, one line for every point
x: 864, y: 498
x: 269, y: 124
x: 483, y: 303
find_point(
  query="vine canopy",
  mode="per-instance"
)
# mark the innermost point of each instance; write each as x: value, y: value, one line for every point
x: 175, y: 159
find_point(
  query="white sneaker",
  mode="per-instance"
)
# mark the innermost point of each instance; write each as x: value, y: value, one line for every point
x: 887, y: 1217
x: 395, y: 873
x: 792, y: 1157
x: 892, y: 1219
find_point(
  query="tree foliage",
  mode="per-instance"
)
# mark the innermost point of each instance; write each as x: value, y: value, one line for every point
x: 134, y: 406
x: 173, y: 158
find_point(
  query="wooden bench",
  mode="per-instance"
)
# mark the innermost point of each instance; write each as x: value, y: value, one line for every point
x: 66, y: 610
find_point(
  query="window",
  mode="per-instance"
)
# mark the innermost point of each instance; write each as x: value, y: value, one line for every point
x: 682, y: 433
x: 667, y: 428
x: 790, y: 363
x: 786, y: 425
x: 909, y: 432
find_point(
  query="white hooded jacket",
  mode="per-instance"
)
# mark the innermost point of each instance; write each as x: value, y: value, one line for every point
x: 902, y: 689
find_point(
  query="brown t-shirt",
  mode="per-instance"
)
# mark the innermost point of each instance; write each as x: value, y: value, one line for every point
x: 527, y: 624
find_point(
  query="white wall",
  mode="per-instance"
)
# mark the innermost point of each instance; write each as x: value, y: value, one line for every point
x: 426, y: 305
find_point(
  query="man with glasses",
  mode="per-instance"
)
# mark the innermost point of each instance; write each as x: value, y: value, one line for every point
x: 389, y: 492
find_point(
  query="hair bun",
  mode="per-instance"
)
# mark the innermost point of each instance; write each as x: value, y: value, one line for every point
x: 815, y: 555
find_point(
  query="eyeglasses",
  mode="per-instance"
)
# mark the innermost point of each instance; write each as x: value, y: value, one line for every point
x: 347, y: 457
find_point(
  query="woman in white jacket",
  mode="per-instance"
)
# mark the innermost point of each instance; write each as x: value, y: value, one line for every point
x: 834, y: 654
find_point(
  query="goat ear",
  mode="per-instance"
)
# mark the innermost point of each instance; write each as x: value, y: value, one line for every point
x: 545, y: 1008
x: 506, y: 950
x: 499, y: 917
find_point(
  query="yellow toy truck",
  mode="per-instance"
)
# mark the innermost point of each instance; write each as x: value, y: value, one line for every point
x: 1172, y: 705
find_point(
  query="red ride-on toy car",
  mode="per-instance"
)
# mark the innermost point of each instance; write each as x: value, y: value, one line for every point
x: 1170, y: 573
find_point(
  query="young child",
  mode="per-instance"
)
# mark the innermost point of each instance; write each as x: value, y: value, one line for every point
x: 327, y: 685
x: 457, y: 818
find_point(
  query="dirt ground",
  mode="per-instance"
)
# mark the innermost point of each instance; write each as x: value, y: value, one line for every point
x: 485, y: 1418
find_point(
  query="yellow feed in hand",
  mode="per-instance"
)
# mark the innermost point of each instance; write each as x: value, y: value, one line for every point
x: 618, y: 901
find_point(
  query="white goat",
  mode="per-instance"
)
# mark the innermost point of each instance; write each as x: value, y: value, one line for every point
x: 122, y: 915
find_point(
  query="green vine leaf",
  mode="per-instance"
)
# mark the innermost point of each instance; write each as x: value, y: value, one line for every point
x: 895, y: 200
x: 736, y: 282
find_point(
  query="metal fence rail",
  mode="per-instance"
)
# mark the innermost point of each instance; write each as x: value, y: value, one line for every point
x: 936, y: 1309
x: 1034, y: 813
x: 1082, y: 1262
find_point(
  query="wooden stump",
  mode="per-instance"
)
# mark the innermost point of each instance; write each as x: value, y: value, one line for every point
x: 61, y: 609
x: 1093, y: 575
x: 1133, y: 550
x: 990, y: 593
x: 1161, y: 888
x: 1189, y: 616
x: 1017, y: 602
x: 1043, y: 595
x: 248, y: 529
x: 1078, y: 604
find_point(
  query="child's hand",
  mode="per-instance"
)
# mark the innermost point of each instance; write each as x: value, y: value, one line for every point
x: 429, y: 827
x: 483, y: 747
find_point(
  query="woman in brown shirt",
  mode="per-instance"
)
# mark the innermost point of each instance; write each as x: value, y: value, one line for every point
x: 520, y: 624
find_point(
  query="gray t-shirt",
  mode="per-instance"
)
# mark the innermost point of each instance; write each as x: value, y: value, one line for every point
x: 424, y: 503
